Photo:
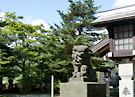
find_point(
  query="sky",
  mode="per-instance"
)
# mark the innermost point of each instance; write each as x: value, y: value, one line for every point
x: 45, y: 11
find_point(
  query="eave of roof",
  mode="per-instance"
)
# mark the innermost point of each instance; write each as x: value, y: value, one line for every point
x: 114, y: 18
x: 114, y: 15
x: 117, y: 8
x: 100, y: 45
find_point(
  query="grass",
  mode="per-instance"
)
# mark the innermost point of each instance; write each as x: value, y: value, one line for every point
x: 3, y: 96
x: 11, y: 95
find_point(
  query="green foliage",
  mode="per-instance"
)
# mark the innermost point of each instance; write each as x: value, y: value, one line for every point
x: 80, y: 15
x: 75, y: 29
x: 3, y: 96
x: 109, y: 64
x: 96, y: 62
x: 35, y: 56
x: 19, y: 50
x: 32, y: 57
x: 57, y: 86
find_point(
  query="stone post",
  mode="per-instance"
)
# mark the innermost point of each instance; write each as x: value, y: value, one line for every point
x: 126, y: 84
x: 107, y: 87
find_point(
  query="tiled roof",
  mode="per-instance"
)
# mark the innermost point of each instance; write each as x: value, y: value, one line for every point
x: 100, y: 45
x: 115, y: 15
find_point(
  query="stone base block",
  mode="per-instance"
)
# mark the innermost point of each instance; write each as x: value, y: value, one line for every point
x: 126, y: 88
x: 126, y: 71
x: 81, y: 79
x: 82, y: 89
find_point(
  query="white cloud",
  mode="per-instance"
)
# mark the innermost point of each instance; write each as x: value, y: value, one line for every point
x: 2, y: 16
x: 121, y: 3
x: 39, y: 21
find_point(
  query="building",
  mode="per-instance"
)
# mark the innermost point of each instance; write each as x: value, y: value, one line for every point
x: 120, y: 45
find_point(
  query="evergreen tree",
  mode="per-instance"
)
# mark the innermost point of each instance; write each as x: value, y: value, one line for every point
x: 75, y: 28
x: 36, y: 56
x: 76, y: 23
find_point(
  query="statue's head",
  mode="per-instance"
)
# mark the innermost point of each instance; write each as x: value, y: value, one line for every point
x: 80, y: 55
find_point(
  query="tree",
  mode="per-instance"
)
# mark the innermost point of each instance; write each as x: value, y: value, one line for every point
x: 75, y: 28
x: 77, y: 21
x: 50, y: 62
x: 23, y: 47
x: 36, y: 56
x: 6, y: 55
x: 32, y: 51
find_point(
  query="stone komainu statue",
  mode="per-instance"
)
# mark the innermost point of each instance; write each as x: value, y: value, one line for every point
x: 81, y: 63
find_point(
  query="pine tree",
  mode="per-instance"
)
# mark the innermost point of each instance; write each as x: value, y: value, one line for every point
x: 77, y: 21
x: 75, y: 29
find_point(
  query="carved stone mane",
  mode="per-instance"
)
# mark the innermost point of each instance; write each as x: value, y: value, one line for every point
x: 81, y: 63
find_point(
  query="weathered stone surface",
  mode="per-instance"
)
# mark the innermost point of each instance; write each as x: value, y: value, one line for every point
x: 126, y: 88
x: 82, y: 84
x: 126, y: 71
x: 82, y: 89
x: 102, y: 78
x: 81, y: 63
x: 126, y: 84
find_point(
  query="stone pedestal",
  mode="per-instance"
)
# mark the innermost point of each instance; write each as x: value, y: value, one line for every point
x: 82, y: 83
x: 82, y: 89
x: 126, y: 88
x: 126, y: 84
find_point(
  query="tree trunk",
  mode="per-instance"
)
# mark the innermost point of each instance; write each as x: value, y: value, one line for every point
x: 1, y: 85
x: 10, y: 81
